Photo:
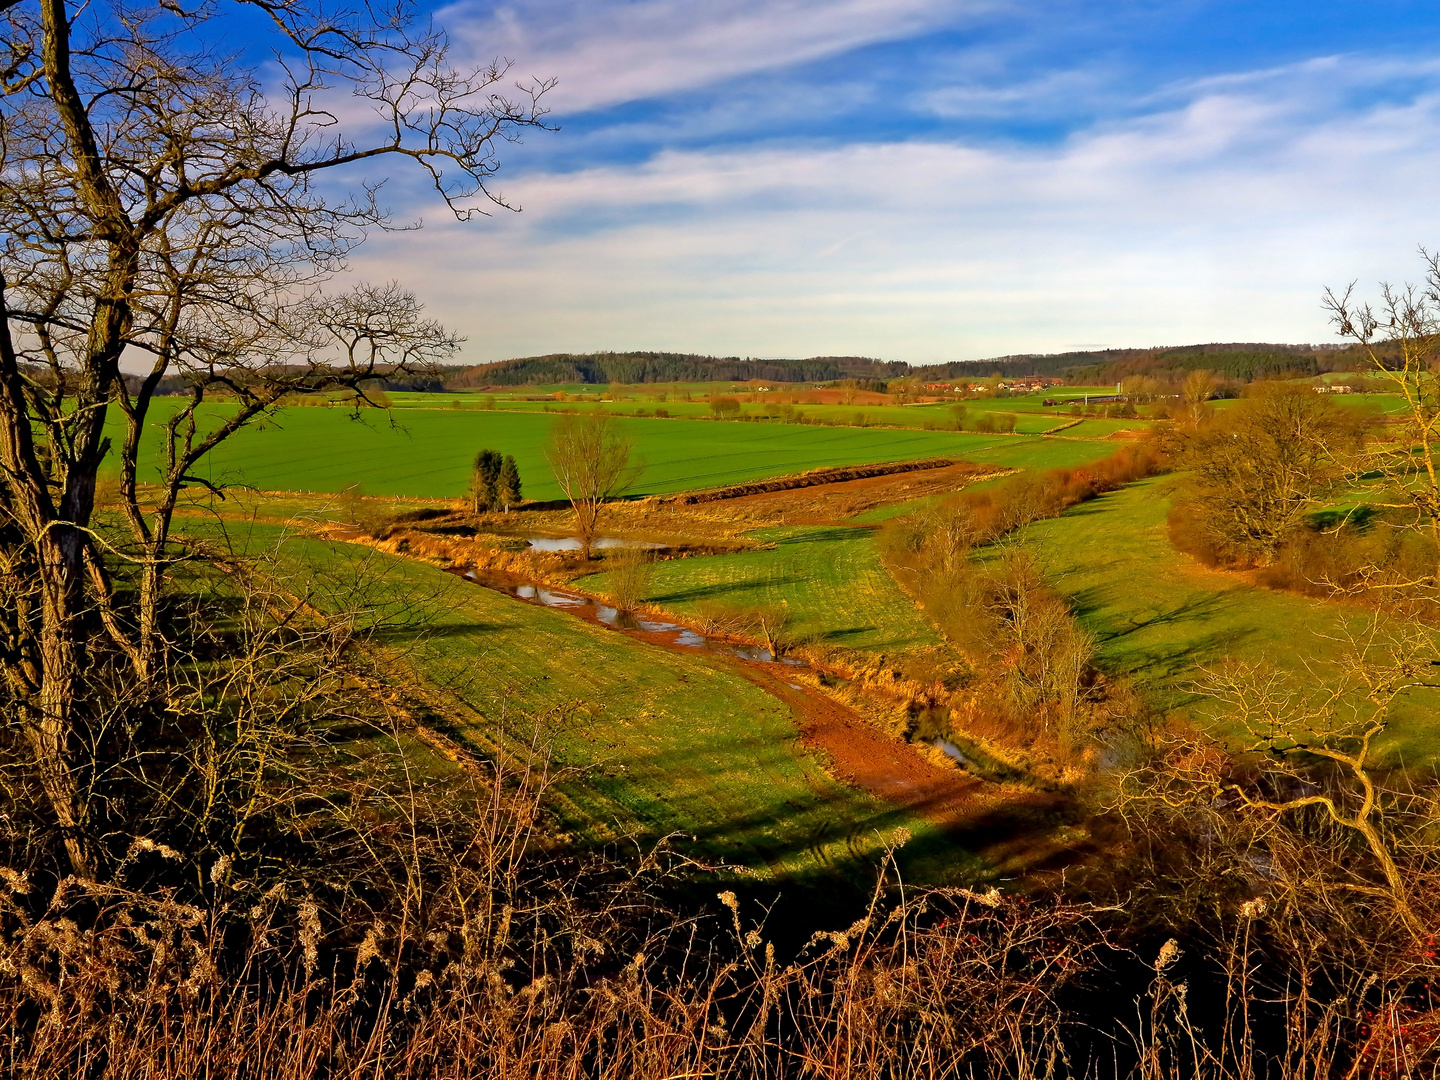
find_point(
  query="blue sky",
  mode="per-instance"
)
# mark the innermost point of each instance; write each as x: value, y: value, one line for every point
x: 937, y: 179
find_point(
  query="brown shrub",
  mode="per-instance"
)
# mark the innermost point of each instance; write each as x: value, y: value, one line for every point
x: 1256, y: 471
x: 1027, y: 497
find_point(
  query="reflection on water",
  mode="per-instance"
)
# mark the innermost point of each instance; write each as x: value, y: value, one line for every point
x: 676, y: 634
x: 572, y: 543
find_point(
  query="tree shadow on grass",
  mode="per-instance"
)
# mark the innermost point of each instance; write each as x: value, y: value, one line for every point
x: 409, y: 635
x: 1190, y: 642
x: 844, y: 636
x: 825, y: 534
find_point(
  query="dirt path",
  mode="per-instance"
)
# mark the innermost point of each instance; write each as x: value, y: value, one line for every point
x: 1010, y: 826
x: 856, y: 751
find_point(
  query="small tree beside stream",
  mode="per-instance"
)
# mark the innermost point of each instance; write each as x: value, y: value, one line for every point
x: 590, y: 457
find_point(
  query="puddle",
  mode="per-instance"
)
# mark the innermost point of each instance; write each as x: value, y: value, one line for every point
x: 590, y: 608
x: 572, y: 543
x: 952, y: 751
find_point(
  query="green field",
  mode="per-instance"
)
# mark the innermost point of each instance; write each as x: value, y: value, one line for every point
x: 661, y: 741
x: 920, y: 416
x: 829, y: 576
x: 1032, y: 416
x: 1159, y: 617
x: 427, y: 452
x: 674, y: 393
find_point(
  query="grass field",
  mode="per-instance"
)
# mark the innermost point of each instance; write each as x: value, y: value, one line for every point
x: 829, y: 576
x: 1031, y: 414
x: 673, y: 393
x: 427, y: 453
x: 920, y: 416
x: 664, y: 742
x: 1158, y: 616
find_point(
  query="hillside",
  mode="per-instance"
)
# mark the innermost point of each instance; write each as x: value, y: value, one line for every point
x: 663, y: 367
x: 1240, y: 361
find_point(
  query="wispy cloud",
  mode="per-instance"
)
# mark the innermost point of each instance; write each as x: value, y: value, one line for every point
x: 606, y: 54
x: 1221, y: 217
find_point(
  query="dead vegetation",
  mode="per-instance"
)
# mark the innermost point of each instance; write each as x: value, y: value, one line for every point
x: 1026, y: 687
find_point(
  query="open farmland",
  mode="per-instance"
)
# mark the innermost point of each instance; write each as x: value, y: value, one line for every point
x: 1029, y: 412
x: 924, y: 416
x: 390, y: 691
x: 427, y: 453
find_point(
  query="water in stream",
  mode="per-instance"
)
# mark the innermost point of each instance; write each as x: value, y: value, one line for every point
x: 672, y: 633
x: 572, y: 543
x: 588, y: 607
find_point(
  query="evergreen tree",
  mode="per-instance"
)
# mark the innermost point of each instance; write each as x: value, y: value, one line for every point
x: 485, y: 484
x: 508, y: 486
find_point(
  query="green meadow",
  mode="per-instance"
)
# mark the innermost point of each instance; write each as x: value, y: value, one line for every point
x: 651, y: 742
x: 1031, y: 414
x: 829, y: 576
x: 927, y: 416
x: 427, y: 452
x: 658, y: 742
x: 1160, y: 618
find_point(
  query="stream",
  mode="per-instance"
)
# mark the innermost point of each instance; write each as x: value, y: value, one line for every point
x: 669, y: 633
x: 587, y: 607
x: 572, y: 543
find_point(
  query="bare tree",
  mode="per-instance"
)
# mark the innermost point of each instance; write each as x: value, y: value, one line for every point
x: 1256, y: 471
x: 1197, y: 389
x: 628, y: 574
x: 775, y: 625
x: 590, y: 456
x: 161, y: 205
x: 1307, y: 743
x: 1049, y: 652
x: 1401, y: 342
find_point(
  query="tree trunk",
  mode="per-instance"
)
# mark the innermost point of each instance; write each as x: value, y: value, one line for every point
x: 51, y: 722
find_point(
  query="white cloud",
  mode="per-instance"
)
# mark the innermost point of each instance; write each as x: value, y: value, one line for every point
x: 1222, y: 219
x: 606, y: 54
x: 1055, y: 91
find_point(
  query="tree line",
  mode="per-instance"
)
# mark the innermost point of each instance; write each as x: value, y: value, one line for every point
x: 648, y: 367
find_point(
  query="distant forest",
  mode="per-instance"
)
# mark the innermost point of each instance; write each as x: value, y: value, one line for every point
x: 662, y: 367
x: 1242, y: 362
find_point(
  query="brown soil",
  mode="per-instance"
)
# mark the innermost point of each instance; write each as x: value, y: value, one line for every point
x: 1012, y: 827
x: 865, y: 757
x: 813, y: 478
x: 858, y: 752
x: 837, y: 502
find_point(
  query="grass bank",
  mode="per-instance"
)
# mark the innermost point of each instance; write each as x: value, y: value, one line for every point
x: 1159, y: 617
x: 656, y: 742
x: 830, y: 577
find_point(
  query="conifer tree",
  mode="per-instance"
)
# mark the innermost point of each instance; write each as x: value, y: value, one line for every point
x: 485, y: 482
x: 508, y: 486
